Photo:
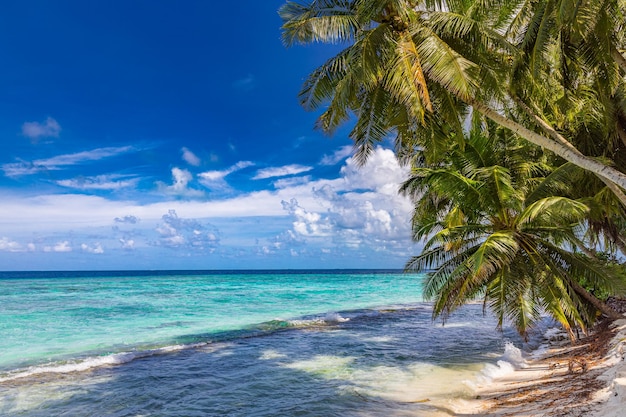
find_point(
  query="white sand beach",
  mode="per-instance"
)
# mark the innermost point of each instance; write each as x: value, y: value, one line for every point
x: 585, y: 379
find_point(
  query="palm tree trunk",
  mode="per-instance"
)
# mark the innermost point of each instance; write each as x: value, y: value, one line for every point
x: 590, y: 253
x: 560, y: 139
x: 559, y: 149
x: 615, y: 189
x: 594, y: 301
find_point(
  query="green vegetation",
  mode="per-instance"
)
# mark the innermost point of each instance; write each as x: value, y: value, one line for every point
x: 512, y: 116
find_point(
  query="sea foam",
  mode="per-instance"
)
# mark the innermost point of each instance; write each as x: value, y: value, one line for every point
x: 511, y: 359
x: 82, y: 365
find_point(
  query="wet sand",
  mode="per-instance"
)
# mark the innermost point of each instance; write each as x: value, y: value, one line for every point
x: 587, y: 378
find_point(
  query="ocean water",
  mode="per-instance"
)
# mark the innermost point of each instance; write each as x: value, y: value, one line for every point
x: 316, y: 343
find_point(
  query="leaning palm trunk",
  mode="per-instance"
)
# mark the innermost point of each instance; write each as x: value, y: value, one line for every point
x: 594, y: 301
x: 550, y: 131
x: 566, y: 152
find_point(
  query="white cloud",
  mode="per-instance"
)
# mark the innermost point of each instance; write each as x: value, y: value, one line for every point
x: 47, y: 212
x: 127, y: 244
x: 190, y: 157
x: 281, y: 171
x: 176, y: 232
x: 8, y: 245
x: 307, y: 223
x: 180, y: 184
x: 210, y: 176
x: 36, y: 130
x: 292, y: 181
x: 284, y: 241
x: 215, y: 181
x: 359, y: 209
x: 363, y: 208
x: 62, y: 161
x: 99, y: 182
x: 63, y: 246
x: 338, y: 156
x: 127, y: 219
x: 381, y: 173
x: 95, y: 249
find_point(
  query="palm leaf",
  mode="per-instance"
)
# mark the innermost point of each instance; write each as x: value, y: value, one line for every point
x: 444, y: 65
x: 371, y: 126
x: 319, y: 21
x: 551, y: 211
x: 319, y: 86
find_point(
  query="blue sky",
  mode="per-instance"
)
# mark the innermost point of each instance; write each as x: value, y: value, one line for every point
x: 168, y: 135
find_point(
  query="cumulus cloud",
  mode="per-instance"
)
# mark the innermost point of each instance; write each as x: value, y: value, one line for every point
x: 180, y: 184
x: 175, y: 232
x: 99, y: 182
x: 37, y: 130
x: 363, y: 209
x: 95, y: 249
x: 319, y: 218
x: 63, y: 246
x: 127, y: 244
x: 381, y: 173
x: 190, y: 157
x: 127, y: 219
x: 336, y: 157
x: 281, y: 171
x: 307, y: 223
x: 59, y: 162
x: 8, y: 245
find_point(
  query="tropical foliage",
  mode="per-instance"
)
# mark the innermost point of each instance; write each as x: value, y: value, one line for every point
x: 518, y: 62
x: 490, y: 237
x: 512, y: 116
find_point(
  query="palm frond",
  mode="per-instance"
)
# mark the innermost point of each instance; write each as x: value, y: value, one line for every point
x: 318, y: 21
x: 444, y: 65
x: 319, y: 87
x: 495, y: 253
x: 405, y: 79
x: 594, y: 273
x: 556, y: 183
x: 552, y: 211
x: 371, y: 126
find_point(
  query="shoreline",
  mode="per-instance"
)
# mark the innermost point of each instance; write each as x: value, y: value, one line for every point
x: 584, y: 379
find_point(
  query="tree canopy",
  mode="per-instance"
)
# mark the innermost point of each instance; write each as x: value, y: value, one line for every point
x: 512, y: 116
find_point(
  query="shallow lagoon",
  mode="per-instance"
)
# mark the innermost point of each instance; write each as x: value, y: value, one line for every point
x: 263, y: 344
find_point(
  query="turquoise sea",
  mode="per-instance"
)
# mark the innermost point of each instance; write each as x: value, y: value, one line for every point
x: 236, y: 343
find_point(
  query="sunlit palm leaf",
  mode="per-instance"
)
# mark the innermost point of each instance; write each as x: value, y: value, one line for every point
x: 552, y: 211
x: 318, y: 21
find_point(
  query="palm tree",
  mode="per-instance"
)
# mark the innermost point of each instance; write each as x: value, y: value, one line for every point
x: 485, y: 239
x: 606, y: 218
x: 413, y: 67
x: 569, y: 79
